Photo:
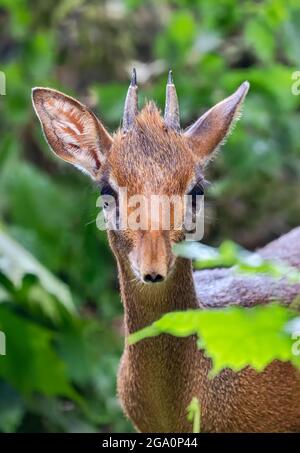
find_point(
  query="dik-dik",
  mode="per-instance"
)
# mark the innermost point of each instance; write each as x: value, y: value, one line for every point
x: 158, y: 377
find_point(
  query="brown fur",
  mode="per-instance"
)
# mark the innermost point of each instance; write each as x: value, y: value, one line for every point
x: 167, y: 154
x: 158, y: 377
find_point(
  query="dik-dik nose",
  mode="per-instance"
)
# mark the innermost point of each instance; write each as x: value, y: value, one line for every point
x: 153, y: 278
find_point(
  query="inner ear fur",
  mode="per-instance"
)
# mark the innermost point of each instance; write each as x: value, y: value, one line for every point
x: 71, y: 129
x: 212, y: 128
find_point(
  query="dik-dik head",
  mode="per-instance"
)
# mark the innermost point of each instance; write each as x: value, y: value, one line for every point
x: 149, y: 155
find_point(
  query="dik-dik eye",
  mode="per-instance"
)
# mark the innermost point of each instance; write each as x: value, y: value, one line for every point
x: 197, y: 190
x: 106, y: 192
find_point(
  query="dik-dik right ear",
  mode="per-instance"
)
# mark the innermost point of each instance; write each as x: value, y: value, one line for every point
x: 72, y: 130
x: 212, y: 128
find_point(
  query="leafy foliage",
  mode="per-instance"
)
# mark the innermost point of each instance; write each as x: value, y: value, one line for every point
x: 45, y: 342
x: 31, y: 365
x: 234, y: 337
x: 229, y: 254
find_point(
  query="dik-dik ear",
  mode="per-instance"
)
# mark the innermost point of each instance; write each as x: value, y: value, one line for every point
x: 71, y: 129
x: 212, y: 128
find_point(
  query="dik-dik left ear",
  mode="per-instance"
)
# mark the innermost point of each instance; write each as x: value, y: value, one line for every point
x: 71, y: 129
x: 212, y: 128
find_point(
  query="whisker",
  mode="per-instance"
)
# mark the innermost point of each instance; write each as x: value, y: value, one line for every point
x: 90, y: 222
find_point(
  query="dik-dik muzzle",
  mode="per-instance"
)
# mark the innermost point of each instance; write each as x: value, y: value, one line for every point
x: 152, y: 258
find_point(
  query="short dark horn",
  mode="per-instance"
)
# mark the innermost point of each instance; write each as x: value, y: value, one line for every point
x: 131, y: 103
x: 171, y: 117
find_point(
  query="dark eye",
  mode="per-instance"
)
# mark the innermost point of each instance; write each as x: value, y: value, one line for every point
x: 107, y: 190
x: 197, y: 190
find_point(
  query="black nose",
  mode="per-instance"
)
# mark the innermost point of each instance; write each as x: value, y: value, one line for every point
x: 153, y: 278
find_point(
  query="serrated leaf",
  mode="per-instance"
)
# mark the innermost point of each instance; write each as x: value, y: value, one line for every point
x: 234, y: 337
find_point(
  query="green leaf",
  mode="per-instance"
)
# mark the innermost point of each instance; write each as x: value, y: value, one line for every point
x: 234, y: 337
x: 230, y: 254
x: 31, y: 363
x: 175, y: 43
x: 261, y: 38
x: 194, y: 414
x: 16, y: 263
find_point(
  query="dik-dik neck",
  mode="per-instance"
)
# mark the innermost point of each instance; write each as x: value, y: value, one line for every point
x: 155, y: 377
x: 145, y: 303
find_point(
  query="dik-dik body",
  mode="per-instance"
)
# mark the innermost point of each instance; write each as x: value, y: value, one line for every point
x: 158, y: 377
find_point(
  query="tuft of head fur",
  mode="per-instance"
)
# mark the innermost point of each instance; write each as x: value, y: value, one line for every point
x: 151, y: 155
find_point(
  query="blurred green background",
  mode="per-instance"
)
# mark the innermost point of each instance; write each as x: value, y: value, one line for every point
x: 60, y: 307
